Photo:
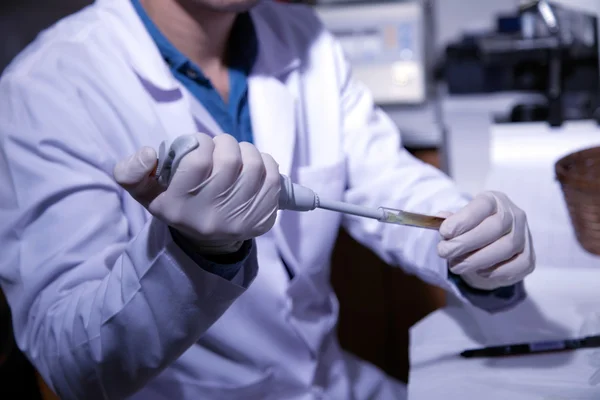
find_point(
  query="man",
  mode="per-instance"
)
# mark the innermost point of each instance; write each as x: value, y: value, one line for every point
x: 115, y: 297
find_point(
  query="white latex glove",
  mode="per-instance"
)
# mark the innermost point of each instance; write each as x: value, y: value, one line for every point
x: 488, y: 242
x: 222, y: 193
x: 595, y: 362
x: 591, y: 327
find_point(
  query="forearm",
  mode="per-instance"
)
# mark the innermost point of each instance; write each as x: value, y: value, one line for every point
x: 107, y: 338
x: 492, y: 301
x: 227, y: 266
x: 97, y: 311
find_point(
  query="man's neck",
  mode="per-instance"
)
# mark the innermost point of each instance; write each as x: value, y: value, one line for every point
x: 199, y: 33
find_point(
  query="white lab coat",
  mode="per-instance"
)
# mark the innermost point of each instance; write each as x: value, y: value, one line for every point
x: 105, y: 304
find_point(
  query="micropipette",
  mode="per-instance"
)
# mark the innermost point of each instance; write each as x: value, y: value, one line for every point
x: 300, y: 198
x: 293, y: 196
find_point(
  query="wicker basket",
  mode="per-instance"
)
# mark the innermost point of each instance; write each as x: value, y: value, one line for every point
x: 579, y: 176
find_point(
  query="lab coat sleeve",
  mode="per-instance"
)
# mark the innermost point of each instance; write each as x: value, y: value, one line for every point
x: 226, y: 266
x: 98, y: 309
x: 491, y: 300
x: 382, y: 173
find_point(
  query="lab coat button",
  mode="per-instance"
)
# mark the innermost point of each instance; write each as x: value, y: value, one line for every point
x: 191, y: 73
x: 318, y: 392
x: 289, y: 305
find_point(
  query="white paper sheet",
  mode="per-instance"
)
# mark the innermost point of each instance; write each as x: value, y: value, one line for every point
x: 560, y: 306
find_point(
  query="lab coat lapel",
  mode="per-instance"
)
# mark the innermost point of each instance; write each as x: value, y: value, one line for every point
x: 177, y: 119
x: 139, y: 49
x: 272, y: 100
x: 204, y: 122
x: 171, y: 100
x: 273, y: 114
x: 273, y: 109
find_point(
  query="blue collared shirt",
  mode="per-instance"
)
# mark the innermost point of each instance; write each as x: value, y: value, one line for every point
x: 232, y: 114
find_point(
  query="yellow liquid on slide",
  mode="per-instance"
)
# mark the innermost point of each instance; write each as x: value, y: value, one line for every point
x: 406, y: 218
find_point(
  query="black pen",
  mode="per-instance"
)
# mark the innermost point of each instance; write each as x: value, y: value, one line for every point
x: 533, y: 348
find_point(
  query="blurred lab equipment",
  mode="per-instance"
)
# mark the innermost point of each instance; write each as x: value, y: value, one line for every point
x: 390, y: 46
x: 541, y: 48
x: 385, y: 44
x: 499, y: 80
x: 293, y: 196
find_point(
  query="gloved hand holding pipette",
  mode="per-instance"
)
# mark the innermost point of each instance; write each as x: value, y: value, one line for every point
x: 222, y: 194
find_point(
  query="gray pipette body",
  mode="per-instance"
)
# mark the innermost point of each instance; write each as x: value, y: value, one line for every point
x: 300, y: 198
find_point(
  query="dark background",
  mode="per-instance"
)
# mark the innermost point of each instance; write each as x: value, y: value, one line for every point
x: 21, y: 20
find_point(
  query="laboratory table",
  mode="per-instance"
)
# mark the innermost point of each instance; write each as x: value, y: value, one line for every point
x: 552, y: 312
x: 563, y: 293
